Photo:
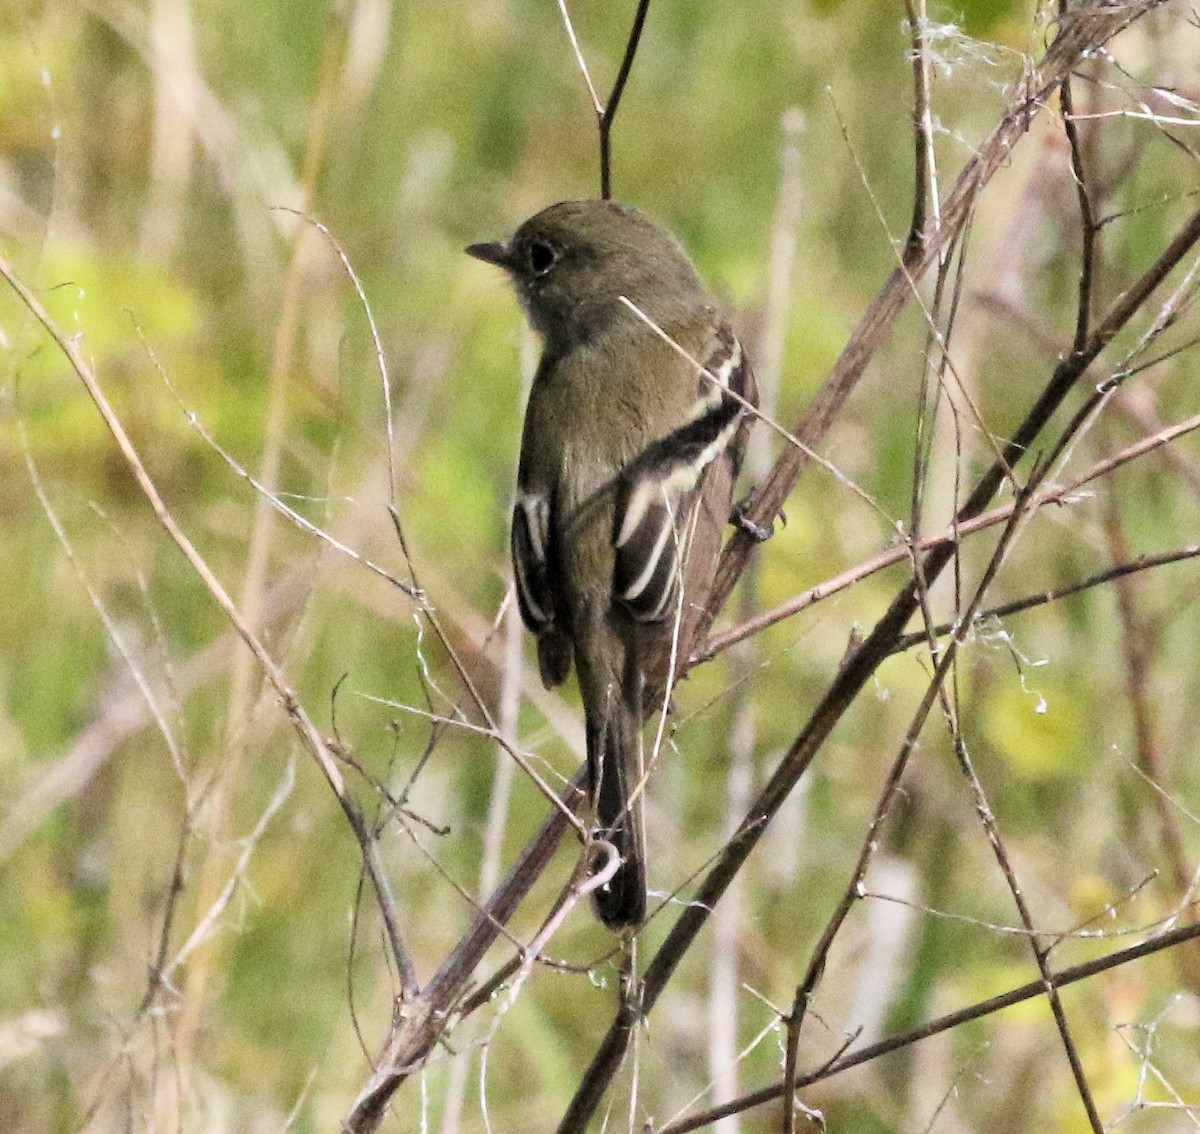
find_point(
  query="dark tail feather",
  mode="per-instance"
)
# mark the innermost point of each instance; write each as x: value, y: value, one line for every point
x: 612, y: 751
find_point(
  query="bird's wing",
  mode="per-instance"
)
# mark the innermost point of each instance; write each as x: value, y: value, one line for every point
x: 654, y: 491
x: 531, y: 550
x: 530, y: 556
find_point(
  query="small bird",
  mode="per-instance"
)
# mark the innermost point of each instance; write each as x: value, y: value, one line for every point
x: 633, y: 437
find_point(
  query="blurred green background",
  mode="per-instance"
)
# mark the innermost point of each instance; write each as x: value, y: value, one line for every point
x: 151, y: 159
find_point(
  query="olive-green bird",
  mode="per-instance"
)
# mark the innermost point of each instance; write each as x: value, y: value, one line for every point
x: 631, y: 445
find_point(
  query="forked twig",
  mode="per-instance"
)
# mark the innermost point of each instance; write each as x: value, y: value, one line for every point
x: 1084, y: 32
x: 607, y: 112
x: 863, y: 661
x: 416, y: 1030
x: 1025, y: 992
x: 816, y: 967
x: 311, y: 738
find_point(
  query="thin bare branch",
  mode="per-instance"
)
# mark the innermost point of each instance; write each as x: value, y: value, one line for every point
x: 993, y: 1004
x: 580, y: 61
x: 924, y: 187
x: 614, y: 99
x: 1037, y: 943
x: 858, y: 667
x: 381, y: 365
x: 1087, y: 212
x: 1085, y: 31
x: 416, y: 1031
x: 141, y: 681
x: 1059, y: 495
x: 606, y: 112
x: 1043, y: 598
x: 816, y: 967
x: 309, y: 735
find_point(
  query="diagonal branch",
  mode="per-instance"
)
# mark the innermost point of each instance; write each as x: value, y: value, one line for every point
x: 858, y: 668
x: 1079, y: 34
x: 310, y: 736
x: 419, y: 1024
x: 816, y: 966
x: 902, y: 1040
x: 1061, y: 494
x: 1042, y: 598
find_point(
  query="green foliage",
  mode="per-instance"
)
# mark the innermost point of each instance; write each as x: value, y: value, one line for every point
x: 145, y: 175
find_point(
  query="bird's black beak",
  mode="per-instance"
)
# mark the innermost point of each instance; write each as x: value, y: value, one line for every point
x: 497, y: 253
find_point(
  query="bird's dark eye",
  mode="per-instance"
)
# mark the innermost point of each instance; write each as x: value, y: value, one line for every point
x: 541, y: 257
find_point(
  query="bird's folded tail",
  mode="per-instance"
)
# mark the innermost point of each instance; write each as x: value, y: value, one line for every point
x: 613, y: 759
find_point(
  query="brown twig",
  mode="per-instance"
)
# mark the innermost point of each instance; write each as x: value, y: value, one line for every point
x: 948, y: 697
x: 606, y: 113
x: 858, y: 668
x: 1077, y: 423
x: 1059, y: 495
x: 416, y: 1030
x: 816, y: 967
x: 1031, y: 991
x: 1136, y: 650
x: 1084, y: 32
x: 924, y: 189
x: 1135, y: 409
x: 922, y: 124
x: 1087, y: 212
x: 310, y: 736
x: 1043, y: 598
x: 614, y: 99
x: 1041, y: 950
x: 722, y: 1008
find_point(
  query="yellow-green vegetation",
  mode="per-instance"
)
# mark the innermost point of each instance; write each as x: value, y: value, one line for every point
x: 187, y: 941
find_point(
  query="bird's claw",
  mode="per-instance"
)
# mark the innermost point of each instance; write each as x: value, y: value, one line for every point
x: 740, y: 518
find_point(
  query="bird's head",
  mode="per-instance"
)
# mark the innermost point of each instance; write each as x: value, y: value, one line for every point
x: 571, y: 263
